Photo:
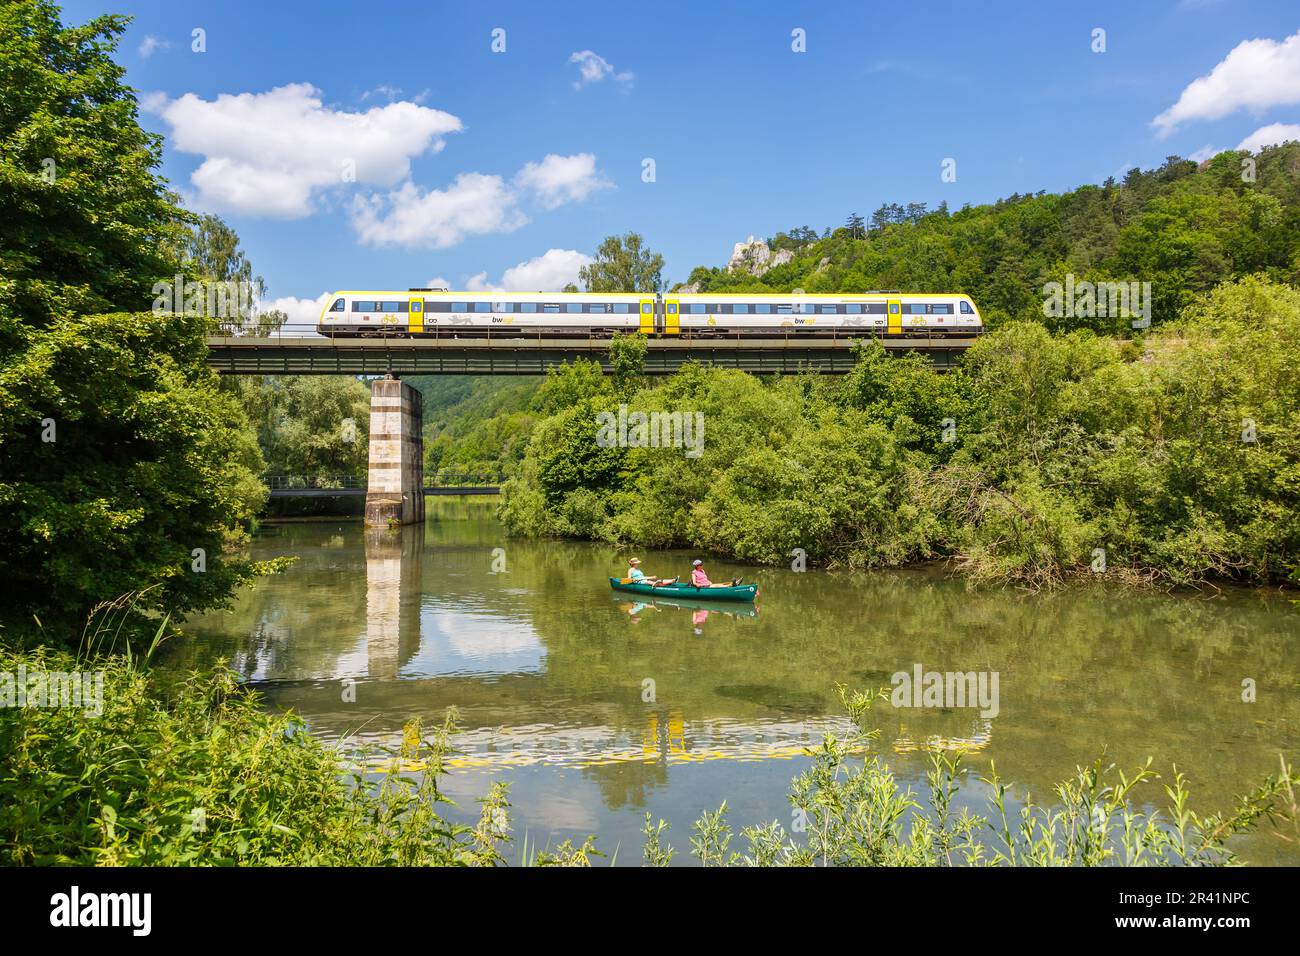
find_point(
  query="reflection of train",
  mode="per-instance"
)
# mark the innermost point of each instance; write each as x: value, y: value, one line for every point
x: 438, y: 312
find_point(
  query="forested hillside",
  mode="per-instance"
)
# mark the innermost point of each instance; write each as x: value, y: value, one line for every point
x: 1182, y: 228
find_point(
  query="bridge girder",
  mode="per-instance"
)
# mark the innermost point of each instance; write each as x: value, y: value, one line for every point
x: 246, y: 355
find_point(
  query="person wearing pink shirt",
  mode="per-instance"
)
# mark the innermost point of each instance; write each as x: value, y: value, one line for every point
x: 701, y: 580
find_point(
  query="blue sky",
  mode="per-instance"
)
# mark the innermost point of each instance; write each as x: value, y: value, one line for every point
x: 470, y: 162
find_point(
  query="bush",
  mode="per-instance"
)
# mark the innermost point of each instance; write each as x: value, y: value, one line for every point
x: 194, y: 773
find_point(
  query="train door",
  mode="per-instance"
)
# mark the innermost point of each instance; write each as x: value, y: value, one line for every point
x: 895, y: 309
x: 415, y: 313
x: 672, y: 317
x: 647, y: 316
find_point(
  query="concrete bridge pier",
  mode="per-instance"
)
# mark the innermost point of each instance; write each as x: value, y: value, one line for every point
x: 395, y: 491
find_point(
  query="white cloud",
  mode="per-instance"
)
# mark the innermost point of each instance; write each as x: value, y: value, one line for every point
x: 549, y: 272
x: 1255, y: 75
x: 151, y: 45
x: 560, y: 179
x: 593, y: 68
x: 473, y: 204
x: 301, y: 312
x: 1205, y: 152
x: 1271, y: 135
x: 438, y: 283
x: 269, y: 154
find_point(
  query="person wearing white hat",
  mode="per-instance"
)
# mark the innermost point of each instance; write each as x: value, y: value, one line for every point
x: 636, y: 576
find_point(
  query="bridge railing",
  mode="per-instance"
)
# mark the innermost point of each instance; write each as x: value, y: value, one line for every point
x: 286, y: 482
x: 443, y: 478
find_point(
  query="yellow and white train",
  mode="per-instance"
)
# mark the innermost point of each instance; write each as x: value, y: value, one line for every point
x: 439, y: 312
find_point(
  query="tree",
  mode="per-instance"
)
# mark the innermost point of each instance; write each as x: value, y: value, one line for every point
x: 124, y: 467
x: 623, y: 265
x: 88, y: 226
x: 856, y: 226
x: 315, y: 425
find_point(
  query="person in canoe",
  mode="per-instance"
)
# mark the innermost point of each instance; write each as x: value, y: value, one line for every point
x: 701, y: 580
x: 636, y: 576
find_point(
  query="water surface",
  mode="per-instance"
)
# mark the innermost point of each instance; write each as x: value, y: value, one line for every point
x: 596, y: 708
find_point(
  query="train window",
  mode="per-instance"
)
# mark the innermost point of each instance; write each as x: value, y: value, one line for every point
x: 551, y: 307
x: 460, y: 307
x: 916, y: 308
x: 943, y: 308
x: 573, y: 307
x: 482, y: 306
x: 827, y: 309
x: 337, y: 306
x: 597, y: 308
x: 620, y: 308
x: 739, y: 308
x: 697, y: 308
x: 526, y: 307
x: 672, y: 308
x: 893, y: 308
x: 646, y: 308
x: 437, y: 307
x: 876, y: 308
x: 361, y: 305
x: 502, y: 307
x: 853, y: 308
x: 762, y: 308
x: 966, y: 309
x: 417, y: 305
x: 784, y: 309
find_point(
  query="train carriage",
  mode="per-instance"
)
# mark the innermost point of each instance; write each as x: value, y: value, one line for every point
x: 440, y: 312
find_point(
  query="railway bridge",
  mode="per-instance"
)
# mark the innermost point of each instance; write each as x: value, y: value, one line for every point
x: 300, y: 351
x: 395, y: 487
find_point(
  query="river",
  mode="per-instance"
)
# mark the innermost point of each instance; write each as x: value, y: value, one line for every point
x: 596, y: 708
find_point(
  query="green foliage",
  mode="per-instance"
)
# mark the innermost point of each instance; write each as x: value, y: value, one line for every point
x: 195, y: 773
x: 312, y: 425
x: 627, y: 358
x: 623, y: 264
x: 148, y: 461
x: 850, y: 811
x: 88, y: 227
x: 1044, y: 456
x: 1182, y: 229
x: 121, y: 457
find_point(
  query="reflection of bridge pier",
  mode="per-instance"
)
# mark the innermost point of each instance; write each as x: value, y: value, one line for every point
x: 395, y: 492
x: 393, y: 573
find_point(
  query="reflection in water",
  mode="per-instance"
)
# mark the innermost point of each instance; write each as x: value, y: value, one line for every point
x: 392, y: 600
x: 547, y: 667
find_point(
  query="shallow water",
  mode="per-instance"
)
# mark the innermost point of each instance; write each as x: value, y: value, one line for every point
x: 549, y: 668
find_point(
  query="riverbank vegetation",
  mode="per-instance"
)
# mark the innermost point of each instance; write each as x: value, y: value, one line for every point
x: 195, y: 772
x: 849, y: 810
x: 1174, y: 459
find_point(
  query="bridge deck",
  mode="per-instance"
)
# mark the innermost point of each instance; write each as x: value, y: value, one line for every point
x: 248, y: 355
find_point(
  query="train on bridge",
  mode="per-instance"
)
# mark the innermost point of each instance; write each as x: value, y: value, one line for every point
x: 443, y: 313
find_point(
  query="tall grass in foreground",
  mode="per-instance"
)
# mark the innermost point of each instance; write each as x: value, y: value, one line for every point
x: 853, y: 813
x: 194, y: 772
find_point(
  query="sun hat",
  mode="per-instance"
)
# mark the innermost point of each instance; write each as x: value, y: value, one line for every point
x: 633, y: 560
x: 696, y: 563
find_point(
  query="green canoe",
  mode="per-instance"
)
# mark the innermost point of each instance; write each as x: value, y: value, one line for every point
x: 737, y: 592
